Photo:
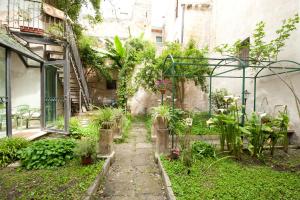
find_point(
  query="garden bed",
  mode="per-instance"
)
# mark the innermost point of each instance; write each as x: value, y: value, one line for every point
x: 231, y: 179
x: 69, y: 182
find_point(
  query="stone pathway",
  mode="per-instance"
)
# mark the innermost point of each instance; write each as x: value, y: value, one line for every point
x: 134, y: 174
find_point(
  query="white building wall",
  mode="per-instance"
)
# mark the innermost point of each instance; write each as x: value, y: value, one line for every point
x: 236, y: 19
x: 25, y: 84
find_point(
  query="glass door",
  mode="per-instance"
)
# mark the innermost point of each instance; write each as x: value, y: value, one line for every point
x: 54, y: 99
x: 3, y: 95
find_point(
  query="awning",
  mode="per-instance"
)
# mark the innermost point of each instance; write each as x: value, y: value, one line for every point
x: 9, y: 42
x: 52, y: 11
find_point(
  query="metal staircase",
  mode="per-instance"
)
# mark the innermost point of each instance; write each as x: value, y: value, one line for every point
x: 78, y: 84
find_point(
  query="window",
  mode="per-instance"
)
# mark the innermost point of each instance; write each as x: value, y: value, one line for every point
x: 111, y: 84
x: 158, y: 39
x: 244, y: 50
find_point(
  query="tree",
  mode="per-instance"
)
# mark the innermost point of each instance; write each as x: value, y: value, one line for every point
x: 152, y: 72
x: 125, y: 57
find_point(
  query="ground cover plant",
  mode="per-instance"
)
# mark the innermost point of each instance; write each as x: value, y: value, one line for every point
x: 225, y: 178
x: 200, y: 127
x: 48, y: 153
x: 68, y: 182
x: 9, y: 148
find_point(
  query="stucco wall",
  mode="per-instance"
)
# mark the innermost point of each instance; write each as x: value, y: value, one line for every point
x: 236, y: 19
x: 25, y: 84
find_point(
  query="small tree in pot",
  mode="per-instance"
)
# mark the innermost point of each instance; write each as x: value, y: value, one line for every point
x: 86, y: 150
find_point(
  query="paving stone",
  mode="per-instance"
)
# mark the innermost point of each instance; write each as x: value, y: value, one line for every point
x: 134, y: 174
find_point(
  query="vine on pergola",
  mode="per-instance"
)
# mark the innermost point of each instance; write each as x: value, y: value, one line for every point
x: 152, y: 72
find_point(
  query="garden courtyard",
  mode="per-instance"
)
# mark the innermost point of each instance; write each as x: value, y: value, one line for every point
x: 150, y: 100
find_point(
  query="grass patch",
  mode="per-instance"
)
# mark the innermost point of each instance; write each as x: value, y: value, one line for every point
x: 68, y: 182
x: 200, y: 127
x: 228, y: 179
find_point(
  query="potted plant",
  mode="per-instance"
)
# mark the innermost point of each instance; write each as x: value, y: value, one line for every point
x: 86, y: 150
x: 162, y: 85
x: 105, y: 120
x: 161, y: 115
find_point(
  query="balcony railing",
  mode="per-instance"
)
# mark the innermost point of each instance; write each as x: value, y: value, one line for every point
x: 31, y: 16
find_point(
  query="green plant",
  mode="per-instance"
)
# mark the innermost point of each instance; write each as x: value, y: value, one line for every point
x: 151, y: 72
x: 47, y: 153
x: 200, y: 126
x: 162, y: 111
x: 228, y: 121
x: 86, y: 148
x: 281, y: 123
x: 9, y: 148
x: 75, y: 128
x: 217, y: 99
x: 202, y: 149
x: 104, y: 117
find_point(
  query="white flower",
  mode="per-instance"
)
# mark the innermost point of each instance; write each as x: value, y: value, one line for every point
x: 226, y: 98
x: 236, y: 98
x: 221, y: 110
x: 263, y: 115
x: 209, y: 122
x: 189, y: 121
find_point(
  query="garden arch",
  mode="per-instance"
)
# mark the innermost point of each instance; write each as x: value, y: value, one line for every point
x: 229, y: 64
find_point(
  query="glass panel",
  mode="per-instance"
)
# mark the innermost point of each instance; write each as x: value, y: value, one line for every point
x: 25, y: 98
x: 2, y: 93
x: 54, y: 98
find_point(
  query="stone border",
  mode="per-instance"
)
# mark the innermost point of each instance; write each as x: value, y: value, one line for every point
x: 94, y: 186
x: 165, y: 179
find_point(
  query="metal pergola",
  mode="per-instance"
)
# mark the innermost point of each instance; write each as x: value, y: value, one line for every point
x: 229, y: 64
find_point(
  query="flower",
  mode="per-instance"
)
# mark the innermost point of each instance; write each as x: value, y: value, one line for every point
x: 221, y: 110
x: 263, y: 115
x: 189, y: 121
x: 209, y: 122
x: 236, y: 98
x: 226, y: 98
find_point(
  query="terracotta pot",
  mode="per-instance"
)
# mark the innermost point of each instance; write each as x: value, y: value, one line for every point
x: 162, y: 91
x: 86, y: 160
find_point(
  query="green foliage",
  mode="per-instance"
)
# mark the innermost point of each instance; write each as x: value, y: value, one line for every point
x: 162, y: 111
x: 75, y: 128
x: 47, y: 153
x: 217, y: 99
x: 125, y: 58
x: 200, y: 127
x: 126, y: 127
x: 260, y: 49
x: 203, y: 150
x: 68, y: 182
x: 86, y: 147
x: 92, y: 61
x: 9, y: 148
x: 103, y: 115
x: 231, y: 131
x: 230, y: 180
x: 152, y: 72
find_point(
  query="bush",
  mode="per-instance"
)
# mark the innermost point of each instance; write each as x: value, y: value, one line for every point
x: 86, y: 147
x: 9, y: 148
x: 203, y: 150
x: 47, y: 153
x: 75, y: 128
x: 104, y: 115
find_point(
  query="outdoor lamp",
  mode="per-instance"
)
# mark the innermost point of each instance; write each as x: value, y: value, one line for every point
x: 246, y: 94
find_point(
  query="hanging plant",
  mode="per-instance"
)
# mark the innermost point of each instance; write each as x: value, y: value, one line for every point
x: 162, y: 85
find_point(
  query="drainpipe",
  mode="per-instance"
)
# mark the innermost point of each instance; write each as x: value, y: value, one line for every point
x: 182, y: 22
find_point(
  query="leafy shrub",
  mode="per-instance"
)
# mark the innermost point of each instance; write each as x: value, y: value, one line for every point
x: 47, y: 153
x: 217, y: 98
x: 75, y: 128
x: 203, y: 150
x: 86, y: 147
x: 9, y: 148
